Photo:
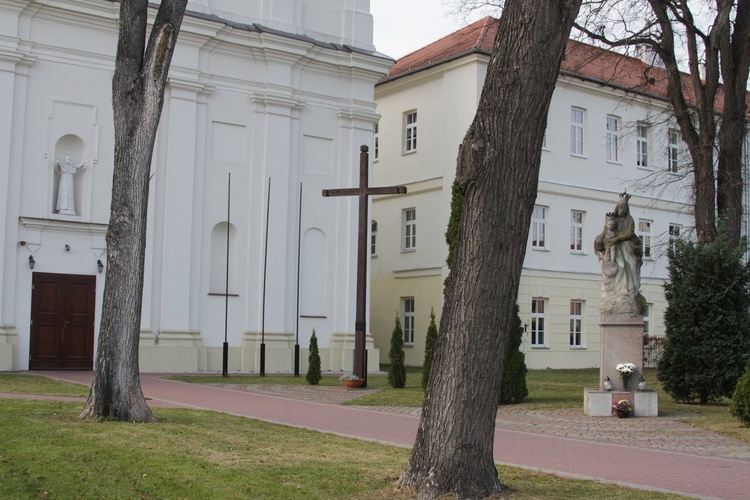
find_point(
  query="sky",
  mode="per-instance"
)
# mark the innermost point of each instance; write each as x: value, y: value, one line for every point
x: 403, y: 26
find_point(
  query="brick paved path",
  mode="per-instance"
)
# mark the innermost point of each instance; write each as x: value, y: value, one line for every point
x: 663, y: 453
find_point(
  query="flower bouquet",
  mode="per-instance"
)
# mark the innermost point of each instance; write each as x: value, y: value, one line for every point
x: 623, y: 408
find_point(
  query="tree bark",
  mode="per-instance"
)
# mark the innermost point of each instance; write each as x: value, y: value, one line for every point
x: 137, y: 98
x: 735, y: 65
x: 497, y: 171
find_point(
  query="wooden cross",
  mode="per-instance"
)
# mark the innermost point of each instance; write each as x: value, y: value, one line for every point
x: 360, y: 328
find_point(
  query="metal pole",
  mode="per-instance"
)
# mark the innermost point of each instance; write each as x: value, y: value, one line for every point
x: 225, y: 354
x: 263, y: 307
x: 299, y: 250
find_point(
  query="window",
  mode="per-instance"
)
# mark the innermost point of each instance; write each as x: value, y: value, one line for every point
x: 673, y: 152
x: 642, y: 152
x: 544, y: 140
x: 576, y: 231
x: 646, y: 320
x: 537, y: 322
x: 576, y: 131
x: 613, y: 138
x: 410, y: 131
x: 644, y: 231
x: 409, y: 220
x: 376, y: 142
x: 539, y: 228
x: 408, y: 321
x: 373, y: 236
x: 674, y: 234
x: 576, y: 323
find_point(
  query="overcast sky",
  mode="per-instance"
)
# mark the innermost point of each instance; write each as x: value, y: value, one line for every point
x: 403, y: 26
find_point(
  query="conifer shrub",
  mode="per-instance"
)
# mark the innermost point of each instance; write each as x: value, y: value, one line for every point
x: 740, y: 408
x: 429, y: 349
x: 396, y: 357
x: 707, y: 320
x: 513, y: 388
x: 313, y: 362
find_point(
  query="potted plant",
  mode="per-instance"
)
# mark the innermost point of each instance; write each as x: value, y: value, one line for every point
x: 623, y: 408
x: 351, y: 380
x: 626, y: 370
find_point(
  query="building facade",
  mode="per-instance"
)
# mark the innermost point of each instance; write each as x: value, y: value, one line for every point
x: 279, y: 94
x: 609, y: 131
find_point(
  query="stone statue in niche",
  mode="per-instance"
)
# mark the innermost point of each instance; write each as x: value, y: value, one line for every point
x: 66, y: 189
x: 620, y: 253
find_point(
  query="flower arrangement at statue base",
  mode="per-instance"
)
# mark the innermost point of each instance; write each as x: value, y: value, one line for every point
x: 626, y: 370
x: 351, y: 381
x: 622, y: 408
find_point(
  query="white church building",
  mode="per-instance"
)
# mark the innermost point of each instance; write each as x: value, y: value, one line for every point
x: 279, y: 94
x: 609, y: 130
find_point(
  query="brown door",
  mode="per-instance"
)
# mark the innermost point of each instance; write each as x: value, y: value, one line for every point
x: 62, y: 322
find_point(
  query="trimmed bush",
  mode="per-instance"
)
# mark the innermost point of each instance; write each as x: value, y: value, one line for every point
x: 429, y: 349
x: 513, y: 388
x: 741, y: 398
x: 707, y: 320
x: 396, y: 357
x: 313, y: 362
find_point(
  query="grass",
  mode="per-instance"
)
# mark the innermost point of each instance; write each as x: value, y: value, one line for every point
x: 30, y: 384
x: 49, y: 452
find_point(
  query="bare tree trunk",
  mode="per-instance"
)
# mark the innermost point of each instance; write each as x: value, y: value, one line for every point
x: 735, y: 65
x: 498, y: 171
x: 137, y: 97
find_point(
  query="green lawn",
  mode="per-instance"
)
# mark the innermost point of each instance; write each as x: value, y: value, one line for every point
x: 48, y: 452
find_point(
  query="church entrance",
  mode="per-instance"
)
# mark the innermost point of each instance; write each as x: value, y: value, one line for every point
x: 62, y: 322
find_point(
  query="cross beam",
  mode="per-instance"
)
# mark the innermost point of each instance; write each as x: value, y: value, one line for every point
x: 363, y: 191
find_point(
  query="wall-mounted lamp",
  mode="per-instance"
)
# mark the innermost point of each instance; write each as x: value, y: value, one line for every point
x: 100, y: 266
x: 67, y: 247
x: 32, y: 262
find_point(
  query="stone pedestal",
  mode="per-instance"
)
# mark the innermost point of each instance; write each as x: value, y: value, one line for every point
x: 621, y: 342
x: 598, y: 403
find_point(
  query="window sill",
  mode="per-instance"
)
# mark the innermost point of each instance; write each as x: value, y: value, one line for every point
x: 539, y: 347
x: 575, y: 348
x: 578, y: 252
x: 583, y: 157
x: 614, y: 162
x: 404, y: 153
x: 408, y: 250
x: 219, y: 294
x: 408, y: 345
x: 540, y: 249
x: 648, y: 169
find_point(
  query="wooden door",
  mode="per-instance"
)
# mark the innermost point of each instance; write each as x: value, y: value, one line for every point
x: 62, y: 322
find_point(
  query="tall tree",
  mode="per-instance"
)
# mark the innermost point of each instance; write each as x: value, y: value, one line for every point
x: 715, y: 38
x: 137, y: 97
x: 497, y: 171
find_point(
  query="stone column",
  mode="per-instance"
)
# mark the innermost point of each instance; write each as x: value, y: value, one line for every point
x: 621, y: 342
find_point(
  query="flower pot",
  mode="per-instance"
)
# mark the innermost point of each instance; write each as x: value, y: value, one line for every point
x: 623, y: 413
x: 354, y: 384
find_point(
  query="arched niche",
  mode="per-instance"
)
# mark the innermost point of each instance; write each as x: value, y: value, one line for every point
x: 217, y: 282
x: 69, y: 170
x: 314, y: 273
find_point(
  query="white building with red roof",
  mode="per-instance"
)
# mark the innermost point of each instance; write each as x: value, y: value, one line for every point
x: 609, y: 130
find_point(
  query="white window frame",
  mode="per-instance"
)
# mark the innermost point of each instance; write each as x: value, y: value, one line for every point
x: 674, y: 233
x: 576, y: 324
x: 538, y: 323
x: 577, y: 218
x: 373, y: 237
x: 407, y: 307
x: 673, y: 151
x: 375, y: 141
x: 647, y: 320
x: 642, y: 136
x: 539, y: 228
x: 410, y: 131
x: 409, y: 229
x: 645, y: 227
x: 577, y: 131
x: 613, y: 139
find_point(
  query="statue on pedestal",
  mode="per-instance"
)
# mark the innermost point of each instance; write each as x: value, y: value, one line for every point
x: 66, y: 188
x: 620, y: 253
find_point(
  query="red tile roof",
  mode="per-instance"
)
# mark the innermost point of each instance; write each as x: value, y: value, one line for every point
x: 581, y: 60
